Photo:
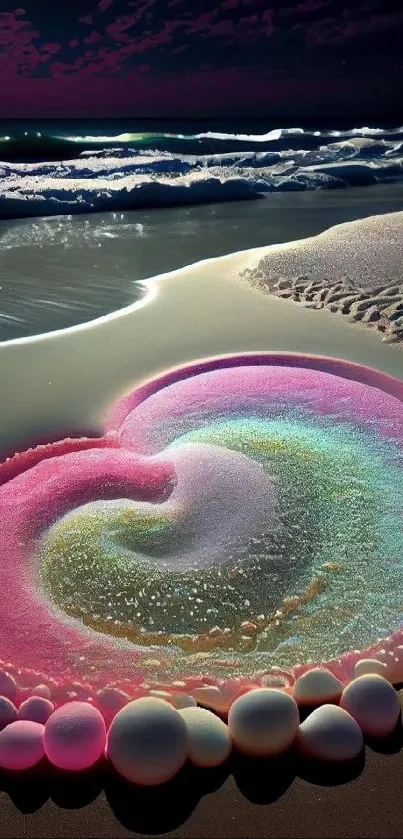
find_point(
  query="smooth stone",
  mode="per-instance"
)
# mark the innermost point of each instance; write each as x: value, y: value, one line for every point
x: 8, y: 712
x: 42, y: 690
x: 147, y: 741
x: 374, y: 703
x: 177, y: 700
x: 316, y: 687
x: 369, y: 666
x: 21, y: 745
x: 210, y: 696
x: 8, y: 686
x: 75, y: 736
x: 209, y: 740
x: 180, y: 701
x: 330, y: 733
x: 110, y: 700
x: 263, y: 722
x: 36, y: 709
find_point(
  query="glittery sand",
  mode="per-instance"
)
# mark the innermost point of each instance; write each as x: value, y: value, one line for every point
x: 246, y: 511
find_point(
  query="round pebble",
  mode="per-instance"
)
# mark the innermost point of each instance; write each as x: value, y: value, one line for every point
x: 110, y: 700
x: 75, y: 736
x: 8, y: 686
x: 263, y: 722
x: 147, y: 741
x: 330, y: 733
x: 8, y: 712
x: 369, y: 666
x: 209, y: 740
x: 374, y: 703
x: 36, y: 708
x: 316, y: 687
x: 21, y: 745
x: 42, y: 690
x: 177, y: 700
x: 210, y: 696
x: 181, y: 701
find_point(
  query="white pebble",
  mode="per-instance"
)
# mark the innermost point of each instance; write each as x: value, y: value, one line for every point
x: 8, y: 686
x: 374, y: 703
x: 147, y: 741
x: 36, y: 709
x: 263, y: 722
x: 8, y: 712
x: 209, y: 739
x: 367, y: 666
x: 316, y: 687
x: 330, y: 733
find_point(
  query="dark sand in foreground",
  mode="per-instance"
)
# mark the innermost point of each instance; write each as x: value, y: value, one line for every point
x: 278, y: 800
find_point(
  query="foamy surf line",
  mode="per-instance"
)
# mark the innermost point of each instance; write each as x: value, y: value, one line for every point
x: 129, y: 171
x: 353, y: 269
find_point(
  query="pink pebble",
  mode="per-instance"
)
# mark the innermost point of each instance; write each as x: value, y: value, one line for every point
x: 8, y: 686
x: 75, y: 736
x: 42, y: 690
x: 8, y: 712
x: 36, y: 708
x: 21, y: 745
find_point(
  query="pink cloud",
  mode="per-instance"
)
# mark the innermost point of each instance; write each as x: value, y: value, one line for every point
x: 249, y: 21
x: 338, y: 30
x: 19, y: 54
x: 225, y: 27
x: 86, y: 19
x: 267, y: 18
x: 311, y: 6
x: 52, y: 48
x: 93, y: 38
x: 181, y: 48
x: 230, y: 4
x: 103, y: 5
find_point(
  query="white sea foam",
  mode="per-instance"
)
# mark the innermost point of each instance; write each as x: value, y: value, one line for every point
x: 125, y: 174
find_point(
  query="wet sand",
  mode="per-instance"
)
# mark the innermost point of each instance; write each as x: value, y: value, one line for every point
x: 63, y: 383
x: 57, y: 272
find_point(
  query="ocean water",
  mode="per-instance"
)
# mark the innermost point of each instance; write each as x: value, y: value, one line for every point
x: 77, y: 169
x: 88, y: 210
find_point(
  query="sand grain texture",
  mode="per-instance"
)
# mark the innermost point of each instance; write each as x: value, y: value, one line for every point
x: 353, y: 269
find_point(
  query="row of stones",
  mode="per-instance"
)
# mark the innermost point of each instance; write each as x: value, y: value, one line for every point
x: 149, y: 739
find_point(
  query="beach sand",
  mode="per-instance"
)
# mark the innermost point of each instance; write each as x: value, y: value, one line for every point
x: 282, y: 800
x: 353, y: 269
x: 57, y: 272
x: 64, y: 382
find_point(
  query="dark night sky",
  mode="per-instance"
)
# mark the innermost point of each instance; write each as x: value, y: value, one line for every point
x: 189, y: 58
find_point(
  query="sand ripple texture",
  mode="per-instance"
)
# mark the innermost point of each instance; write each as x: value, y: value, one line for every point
x: 353, y: 269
